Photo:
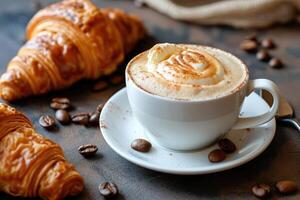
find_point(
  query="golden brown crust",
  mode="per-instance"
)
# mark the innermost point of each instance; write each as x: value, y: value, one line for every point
x: 129, y: 26
x: 67, y: 42
x: 31, y: 165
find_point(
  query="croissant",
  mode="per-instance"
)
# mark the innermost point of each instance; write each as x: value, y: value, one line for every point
x: 31, y: 165
x: 69, y: 41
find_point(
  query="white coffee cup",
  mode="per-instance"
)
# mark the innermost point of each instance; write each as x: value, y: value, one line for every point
x: 188, y: 125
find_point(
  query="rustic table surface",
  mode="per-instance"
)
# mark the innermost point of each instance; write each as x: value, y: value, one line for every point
x: 281, y: 160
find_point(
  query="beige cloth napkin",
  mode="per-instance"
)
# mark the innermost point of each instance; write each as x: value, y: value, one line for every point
x: 237, y: 13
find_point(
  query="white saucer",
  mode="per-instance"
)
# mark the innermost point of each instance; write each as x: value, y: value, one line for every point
x: 120, y: 128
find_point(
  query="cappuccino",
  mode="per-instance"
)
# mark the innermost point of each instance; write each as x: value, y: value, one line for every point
x: 187, y: 72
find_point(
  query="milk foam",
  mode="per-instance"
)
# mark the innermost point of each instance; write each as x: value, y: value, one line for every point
x: 187, y: 72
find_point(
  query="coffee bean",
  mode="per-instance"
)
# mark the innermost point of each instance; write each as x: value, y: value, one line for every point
x: 82, y: 119
x: 261, y: 190
x: 117, y: 80
x: 275, y: 63
x: 61, y: 100
x: 60, y: 103
x: 46, y: 121
x: 100, y: 86
x: 268, y: 43
x: 108, y: 189
x: 141, y: 145
x: 62, y: 116
x: 216, y: 155
x: 286, y: 187
x: 252, y: 37
x: 263, y: 55
x: 57, y: 106
x: 226, y: 145
x: 100, y: 107
x: 88, y: 150
x: 94, y: 119
x: 249, y: 46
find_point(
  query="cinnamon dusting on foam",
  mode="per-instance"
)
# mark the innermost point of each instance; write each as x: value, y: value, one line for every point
x: 187, y: 72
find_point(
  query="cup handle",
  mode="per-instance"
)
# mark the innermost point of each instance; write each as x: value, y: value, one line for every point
x: 270, y: 86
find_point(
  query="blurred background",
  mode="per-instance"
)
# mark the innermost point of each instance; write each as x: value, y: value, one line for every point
x: 222, y: 24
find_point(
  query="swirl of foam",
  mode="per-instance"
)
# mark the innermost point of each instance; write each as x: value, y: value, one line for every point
x: 182, y: 65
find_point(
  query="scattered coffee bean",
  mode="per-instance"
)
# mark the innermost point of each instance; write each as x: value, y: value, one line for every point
x: 286, y: 187
x: 60, y: 103
x: 63, y: 100
x: 216, y: 155
x: 82, y: 119
x: 261, y: 190
x: 88, y: 150
x: 117, y: 80
x: 141, y: 145
x: 275, y: 63
x: 268, y: 43
x: 57, y: 106
x: 100, y: 107
x: 100, y: 86
x: 252, y: 37
x: 108, y: 189
x: 263, y: 55
x: 94, y: 119
x: 62, y: 116
x: 249, y: 46
x: 46, y: 121
x: 226, y: 145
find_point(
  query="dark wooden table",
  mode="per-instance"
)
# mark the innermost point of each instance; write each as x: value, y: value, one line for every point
x: 281, y: 160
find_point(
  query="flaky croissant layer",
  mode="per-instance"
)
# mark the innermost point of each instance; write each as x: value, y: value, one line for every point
x: 69, y: 41
x: 31, y: 165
